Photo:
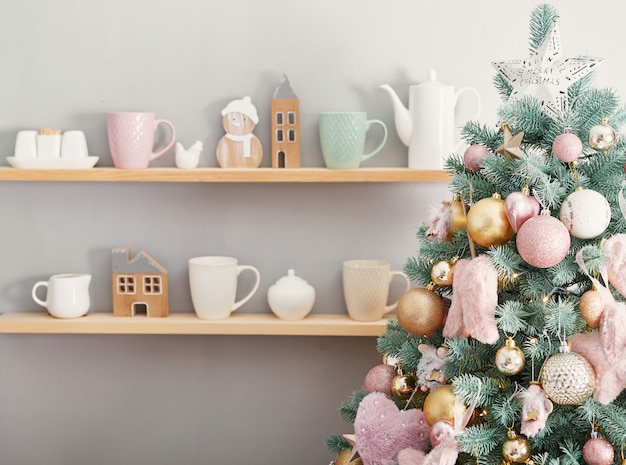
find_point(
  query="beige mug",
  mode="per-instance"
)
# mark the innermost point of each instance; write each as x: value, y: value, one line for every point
x: 366, y: 285
x: 213, y: 285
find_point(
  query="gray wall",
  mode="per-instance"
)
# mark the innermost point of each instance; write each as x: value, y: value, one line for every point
x: 70, y: 399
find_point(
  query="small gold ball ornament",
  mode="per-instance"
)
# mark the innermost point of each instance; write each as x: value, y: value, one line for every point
x: 440, y: 404
x: 487, y: 222
x: 602, y: 136
x: 403, y: 386
x: 567, y: 377
x: 457, y: 215
x: 442, y: 272
x: 515, y: 448
x: 591, y: 306
x: 510, y: 359
x: 420, y: 311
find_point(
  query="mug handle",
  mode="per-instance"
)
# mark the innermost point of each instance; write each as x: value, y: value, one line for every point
x: 156, y: 155
x: 380, y: 146
x: 476, y: 94
x: 241, y: 268
x: 34, y: 292
x: 393, y: 306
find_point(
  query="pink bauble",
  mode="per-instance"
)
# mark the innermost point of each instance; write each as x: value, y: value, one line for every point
x: 520, y: 207
x: 567, y: 147
x: 598, y: 451
x: 379, y: 379
x: 543, y: 241
x: 440, y: 432
x: 474, y: 155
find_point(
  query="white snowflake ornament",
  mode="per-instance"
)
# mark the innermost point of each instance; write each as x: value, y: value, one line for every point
x: 546, y: 75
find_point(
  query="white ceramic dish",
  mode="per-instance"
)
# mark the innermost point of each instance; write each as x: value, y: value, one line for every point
x: 53, y: 163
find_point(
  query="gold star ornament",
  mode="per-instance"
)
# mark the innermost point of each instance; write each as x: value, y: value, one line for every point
x: 511, y: 146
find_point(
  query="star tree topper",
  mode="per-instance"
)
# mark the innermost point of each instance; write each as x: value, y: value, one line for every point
x: 546, y: 75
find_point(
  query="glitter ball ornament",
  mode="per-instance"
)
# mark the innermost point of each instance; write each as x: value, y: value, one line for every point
x: 543, y: 241
x: 442, y: 272
x: 520, y: 207
x: 440, y: 404
x: 474, y: 155
x: 403, y: 386
x: 591, y: 306
x: 515, y: 448
x: 487, y: 223
x: 567, y: 377
x: 380, y: 378
x: 598, y: 451
x: 602, y: 136
x: 510, y: 359
x: 585, y: 213
x: 420, y: 311
x: 567, y: 147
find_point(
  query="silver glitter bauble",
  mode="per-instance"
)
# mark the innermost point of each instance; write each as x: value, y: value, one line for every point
x: 567, y: 377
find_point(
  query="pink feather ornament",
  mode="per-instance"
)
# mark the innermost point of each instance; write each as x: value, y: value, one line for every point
x: 440, y: 223
x: 535, y: 409
x: 605, y: 348
x: 615, y: 249
x: 381, y: 430
x: 474, y: 301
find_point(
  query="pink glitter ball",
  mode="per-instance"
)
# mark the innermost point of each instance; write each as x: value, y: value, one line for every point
x: 543, y: 241
x: 598, y: 451
x: 474, y: 155
x: 380, y: 378
x: 567, y: 147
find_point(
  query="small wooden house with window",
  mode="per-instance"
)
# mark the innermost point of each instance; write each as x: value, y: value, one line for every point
x: 285, y: 126
x: 140, y: 285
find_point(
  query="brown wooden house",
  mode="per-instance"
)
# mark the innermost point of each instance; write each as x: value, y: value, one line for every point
x: 285, y: 126
x: 140, y: 285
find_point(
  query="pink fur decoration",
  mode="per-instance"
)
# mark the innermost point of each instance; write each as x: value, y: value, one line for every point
x: 474, y: 301
x: 381, y: 430
x: 535, y: 409
x: 605, y: 348
x: 615, y: 249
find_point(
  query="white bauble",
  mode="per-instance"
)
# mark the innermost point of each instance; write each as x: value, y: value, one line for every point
x: 585, y: 213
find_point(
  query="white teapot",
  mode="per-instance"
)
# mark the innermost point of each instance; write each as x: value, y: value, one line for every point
x: 427, y: 127
x: 291, y: 298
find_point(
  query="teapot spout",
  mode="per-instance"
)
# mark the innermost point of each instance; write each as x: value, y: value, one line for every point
x: 404, y: 123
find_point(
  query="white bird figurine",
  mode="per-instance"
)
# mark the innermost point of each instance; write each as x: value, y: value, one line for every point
x: 188, y: 159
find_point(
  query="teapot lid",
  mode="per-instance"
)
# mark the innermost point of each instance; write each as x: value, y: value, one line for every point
x: 432, y: 79
x: 291, y: 280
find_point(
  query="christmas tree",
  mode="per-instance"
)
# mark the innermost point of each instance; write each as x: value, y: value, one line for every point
x: 511, y: 348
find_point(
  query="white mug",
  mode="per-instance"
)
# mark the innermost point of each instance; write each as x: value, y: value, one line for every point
x: 366, y: 288
x: 67, y: 295
x: 213, y: 284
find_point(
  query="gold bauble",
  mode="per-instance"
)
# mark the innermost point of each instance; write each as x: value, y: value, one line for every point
x: 439, y: 405
x: 487, y: 223
x: 567, y: 377
x: 510, y: 359
x: 420, y: 311
x: 403, y: 386
x: 515, y: 448
x: 442, y: 272
x: 457, y: 215
x: 344, y: 458
x: 591, y: 307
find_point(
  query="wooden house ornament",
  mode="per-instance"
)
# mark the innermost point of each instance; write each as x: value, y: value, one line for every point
x: 285, y: 126
x: 140, y: 285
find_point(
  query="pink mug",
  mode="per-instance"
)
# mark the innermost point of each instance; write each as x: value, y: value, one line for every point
x: 131, y: 138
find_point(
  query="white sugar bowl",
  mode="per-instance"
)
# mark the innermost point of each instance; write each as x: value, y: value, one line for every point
x: 291, y: 298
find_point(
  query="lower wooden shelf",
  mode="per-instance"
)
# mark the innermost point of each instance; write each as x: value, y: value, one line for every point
x: 189, y: 323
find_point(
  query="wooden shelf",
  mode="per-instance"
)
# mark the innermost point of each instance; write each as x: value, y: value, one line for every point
x: 189, y: 323
x: 273, y: 175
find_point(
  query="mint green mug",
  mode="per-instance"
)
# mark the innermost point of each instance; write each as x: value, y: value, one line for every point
x: 343, y: 135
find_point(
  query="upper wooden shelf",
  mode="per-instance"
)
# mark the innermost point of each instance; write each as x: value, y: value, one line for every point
x: 272, y: 175
x: 189, y: 323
